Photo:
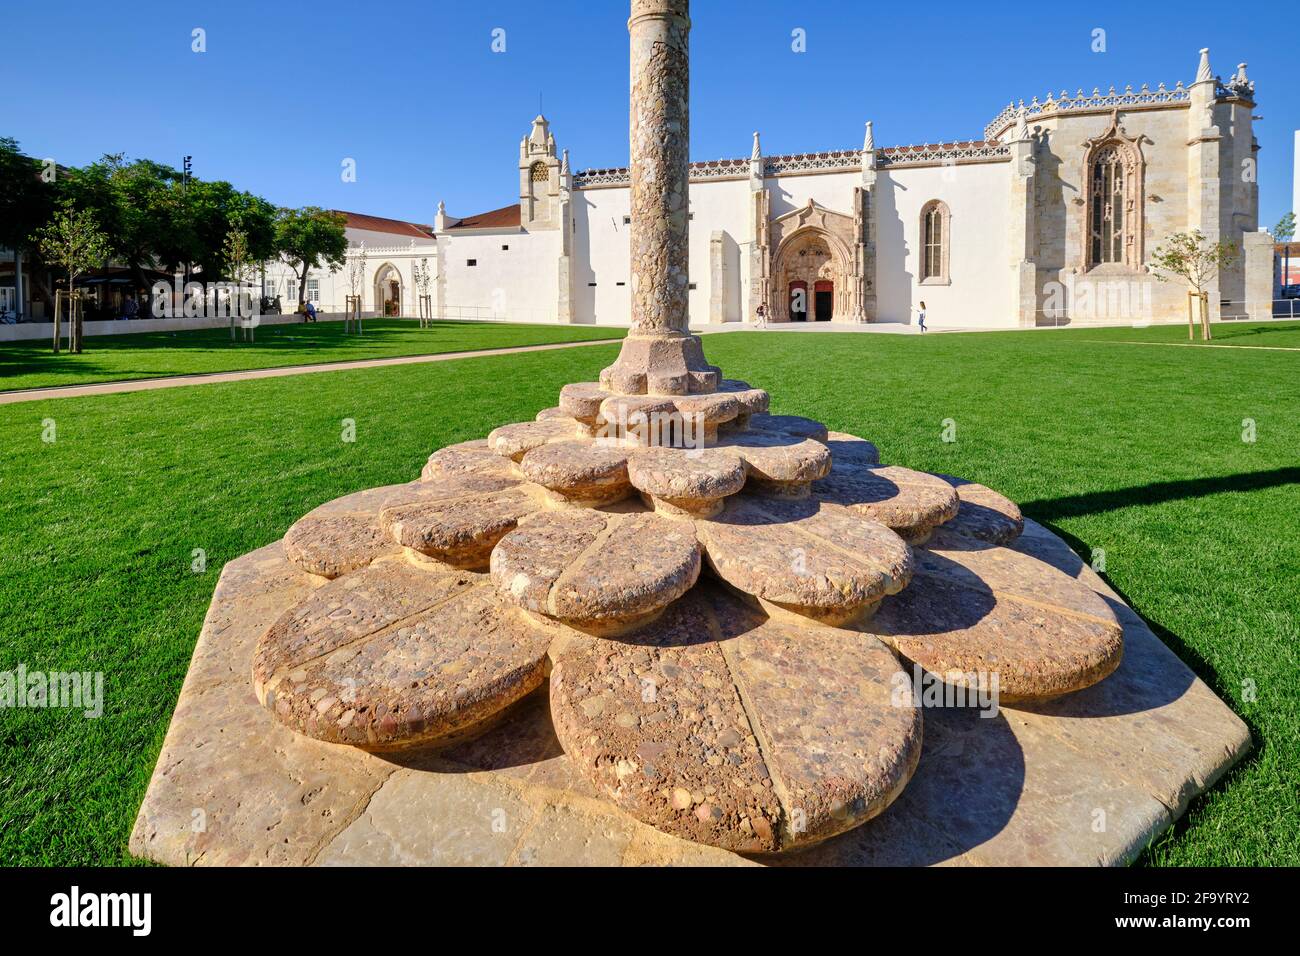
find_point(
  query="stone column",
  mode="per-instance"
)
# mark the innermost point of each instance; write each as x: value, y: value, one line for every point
x: 1203, y: 165
x: 1022, y: 234
x: 660, y: 356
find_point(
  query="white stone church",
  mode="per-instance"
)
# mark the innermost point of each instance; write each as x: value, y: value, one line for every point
x: 1050, y: 218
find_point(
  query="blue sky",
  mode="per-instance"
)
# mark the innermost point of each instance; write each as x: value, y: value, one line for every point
x: 412, y: 91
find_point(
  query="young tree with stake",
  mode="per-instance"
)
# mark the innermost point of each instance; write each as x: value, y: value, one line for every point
x: 1192, y: 257
x: 72, y: 239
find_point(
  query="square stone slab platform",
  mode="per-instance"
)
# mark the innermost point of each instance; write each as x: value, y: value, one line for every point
x: 1086, y: 779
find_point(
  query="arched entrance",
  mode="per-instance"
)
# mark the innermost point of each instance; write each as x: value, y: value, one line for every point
x: 823, y: 300
x: 797, y: 302
x: 814, y: 263
x: 388, y: 290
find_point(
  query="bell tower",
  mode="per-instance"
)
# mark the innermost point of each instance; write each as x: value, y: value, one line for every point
x: 539, y: 178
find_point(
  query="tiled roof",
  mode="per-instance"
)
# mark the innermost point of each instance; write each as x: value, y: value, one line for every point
x: 501, y: 218
x: 397, y: 227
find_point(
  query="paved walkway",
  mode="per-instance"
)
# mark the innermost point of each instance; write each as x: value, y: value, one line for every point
x: 208, y: 378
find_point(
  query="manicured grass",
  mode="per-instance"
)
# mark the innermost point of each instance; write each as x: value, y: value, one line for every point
x: 1137, y: 451
x: 1277, y: 333
x: 110, y: 358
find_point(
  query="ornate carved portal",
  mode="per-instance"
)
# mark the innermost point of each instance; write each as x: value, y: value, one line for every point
x: 388, y: 290
x: 815, y: 275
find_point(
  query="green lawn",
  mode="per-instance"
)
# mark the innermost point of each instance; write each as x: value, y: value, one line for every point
x: 1278, y: 333
x: 110, y: 358
x: 1135, y: 450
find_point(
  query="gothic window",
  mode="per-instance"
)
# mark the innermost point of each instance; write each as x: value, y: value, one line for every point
x: 539, y: 173
x: 1106, y: 193
x: 1113, y: 200
x: 934, y: 242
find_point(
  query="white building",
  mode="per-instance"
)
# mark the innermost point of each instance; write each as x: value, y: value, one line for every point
x: 394, y: 250
x: 1050, y: 217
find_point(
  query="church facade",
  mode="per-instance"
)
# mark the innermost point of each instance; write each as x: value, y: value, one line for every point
x: 1050, y: 218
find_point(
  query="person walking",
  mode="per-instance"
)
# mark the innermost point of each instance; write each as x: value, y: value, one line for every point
x: 760, y: 319
x: 311, y: 311
x: 920, y: 317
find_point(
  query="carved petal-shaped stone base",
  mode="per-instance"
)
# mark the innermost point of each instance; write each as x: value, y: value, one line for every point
x: 974, y: 610
x: 726, y: 728
x: 754, y: 401
x: 594, y: 570
x: 779, y: 463
x: 397, y: 655
x: 818, y: 560
x: 795, y: 425
x: 581, y: 400
x: 514, y: 441
x: 714, y: 408
x: 329, y: 545
x: 687, y: 480
x: 460, y: 528
x: 344, y: 534
x: 673, y: 421
x: 912, y: 503
x: 467, y: 458
x: 983, y: 513
x: 593, y: 473
x: 850, y: 450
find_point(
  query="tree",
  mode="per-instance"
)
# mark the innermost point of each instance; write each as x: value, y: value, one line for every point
x: 1191, y: 256
x: 356, y: 278
x: 158, y: 221
x: 138, y: 203
x: 310, y: 238
x: 423, y: 276
x: 27, y: 200
x: 357, y: 270
x: 211, y: 210
x: 1284, y: 232
x: 236, y: 257
x: 238, y: 266
x: 73, y: 240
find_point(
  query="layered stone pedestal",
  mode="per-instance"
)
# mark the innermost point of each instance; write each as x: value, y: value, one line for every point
x: 485, y: 666
x: 662, y: 364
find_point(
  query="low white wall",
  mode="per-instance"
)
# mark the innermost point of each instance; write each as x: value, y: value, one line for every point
x: 29, y: 331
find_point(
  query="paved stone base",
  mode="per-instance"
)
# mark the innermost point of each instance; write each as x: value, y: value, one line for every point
x: 1089, y: 778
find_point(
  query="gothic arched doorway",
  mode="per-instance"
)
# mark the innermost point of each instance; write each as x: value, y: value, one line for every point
x: 797, y: 301
x: 816, y: 264
x: 388, y: 290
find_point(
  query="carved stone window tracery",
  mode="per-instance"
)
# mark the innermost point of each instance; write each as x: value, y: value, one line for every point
x: 1113, y: 175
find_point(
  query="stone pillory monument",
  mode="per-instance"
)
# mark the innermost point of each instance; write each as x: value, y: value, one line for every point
x: 660, y: 625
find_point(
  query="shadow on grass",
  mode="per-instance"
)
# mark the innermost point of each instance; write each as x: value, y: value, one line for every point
x: 1228, y: 332
x: 1096, y: 502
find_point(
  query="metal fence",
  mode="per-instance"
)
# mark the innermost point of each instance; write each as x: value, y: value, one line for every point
x: 1232, y: 311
